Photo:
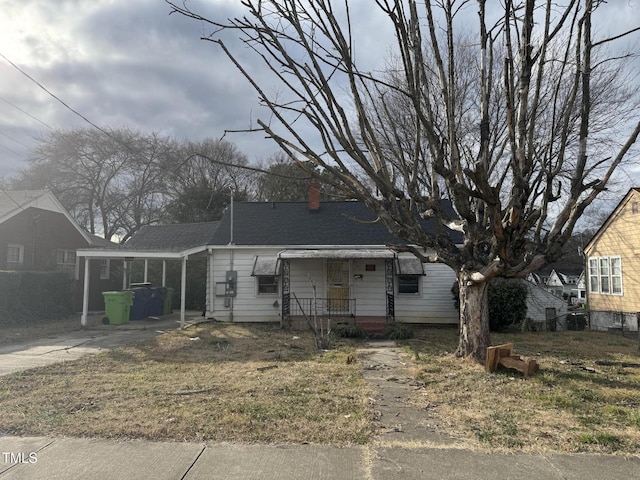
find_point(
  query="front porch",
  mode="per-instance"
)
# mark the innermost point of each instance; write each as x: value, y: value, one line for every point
x: 304, y: 312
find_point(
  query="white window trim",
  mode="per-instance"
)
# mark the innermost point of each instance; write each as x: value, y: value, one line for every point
x: 609, y: 277
x: 65, y: 264
x: 272, y: 294
x: 20, y: 254
x: 107, y: 273
x: 413, y: 294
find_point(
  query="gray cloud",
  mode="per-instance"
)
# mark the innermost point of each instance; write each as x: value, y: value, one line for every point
x: 130, y: 63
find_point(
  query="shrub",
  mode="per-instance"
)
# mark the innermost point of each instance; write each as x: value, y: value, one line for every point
x: 397, y: 331
x: 35, y: 296
x: 507, y: 302
x: 349, y: 330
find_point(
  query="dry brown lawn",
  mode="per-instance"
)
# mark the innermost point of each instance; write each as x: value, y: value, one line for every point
x: 258, y: 383
x: 574, y: 404
x: 215, y: 382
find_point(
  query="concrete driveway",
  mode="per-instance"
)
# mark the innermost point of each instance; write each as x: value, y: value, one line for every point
x: 73, y: 345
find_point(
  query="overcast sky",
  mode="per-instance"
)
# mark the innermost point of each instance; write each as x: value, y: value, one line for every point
x: 128, y: 63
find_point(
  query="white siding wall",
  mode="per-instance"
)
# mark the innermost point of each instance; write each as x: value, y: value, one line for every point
x: 247, y: 305
x: 434, y: 302
x: 303, y: 272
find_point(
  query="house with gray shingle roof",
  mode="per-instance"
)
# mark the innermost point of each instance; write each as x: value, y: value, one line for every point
x: 284, y: 261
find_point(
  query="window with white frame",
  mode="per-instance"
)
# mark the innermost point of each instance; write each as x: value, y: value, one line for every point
x: 267, y: 284
x: 15, y: 255
x: 104, y: 269
x: 408, y: 284
x: 605, y: 275
x: 593, y: 275
x: 66, y: 259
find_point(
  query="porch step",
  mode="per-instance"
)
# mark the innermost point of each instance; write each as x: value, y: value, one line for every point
x: 372, y: 326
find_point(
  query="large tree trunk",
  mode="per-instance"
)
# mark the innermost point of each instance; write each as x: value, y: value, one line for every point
x: 474, y: 319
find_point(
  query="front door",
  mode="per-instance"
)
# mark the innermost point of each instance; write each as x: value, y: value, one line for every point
x: 338, y: 286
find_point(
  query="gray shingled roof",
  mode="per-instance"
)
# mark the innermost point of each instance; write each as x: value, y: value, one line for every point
x: 176, y: 237
x: 291, y: 223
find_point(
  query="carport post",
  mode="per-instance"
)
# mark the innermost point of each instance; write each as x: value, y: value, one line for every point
x: 183, y: 291
x: 85, y: 294
x: 164, y: 273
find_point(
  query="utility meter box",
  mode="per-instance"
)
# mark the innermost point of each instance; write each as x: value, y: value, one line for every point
x: 231, y: 282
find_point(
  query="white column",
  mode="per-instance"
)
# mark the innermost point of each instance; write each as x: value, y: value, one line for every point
x: 164, y: 273
x: 125, y: 268
x: 85, y: 294
x: 146, y: 270
x: 183, y: 291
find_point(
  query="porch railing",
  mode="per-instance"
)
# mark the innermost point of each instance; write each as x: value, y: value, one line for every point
x: 325, y: 307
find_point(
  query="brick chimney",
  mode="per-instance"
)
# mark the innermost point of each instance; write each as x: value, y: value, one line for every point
x: 314, y: 196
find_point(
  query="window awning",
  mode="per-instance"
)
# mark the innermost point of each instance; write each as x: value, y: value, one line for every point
x: 265, y: 266
x: 338, y: 253
x: 409, y: 265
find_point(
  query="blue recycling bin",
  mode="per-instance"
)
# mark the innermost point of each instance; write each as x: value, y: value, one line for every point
x: 155, y: 305
x: 139, y: 307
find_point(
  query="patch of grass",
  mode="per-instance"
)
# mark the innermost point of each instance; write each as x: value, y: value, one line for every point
x: 237, y: 382
x: 556, y: 410
x: 606, y: 440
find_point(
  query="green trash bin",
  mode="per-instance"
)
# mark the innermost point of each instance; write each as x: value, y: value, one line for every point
x: 168, y: 301
x: 116, y: 306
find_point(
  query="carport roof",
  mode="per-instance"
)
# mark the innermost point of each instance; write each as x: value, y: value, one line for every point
x: 176, y: 237
x: 159, y: 241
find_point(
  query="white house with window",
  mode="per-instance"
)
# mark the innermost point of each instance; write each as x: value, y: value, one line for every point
x: 613, y: 268
x: 284, y: 261
x: 287, y: 261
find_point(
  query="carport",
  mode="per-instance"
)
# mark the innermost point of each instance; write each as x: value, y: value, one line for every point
x: 152, y: 242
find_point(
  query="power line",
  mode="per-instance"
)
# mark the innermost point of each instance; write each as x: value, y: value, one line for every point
x: 10, y: 149
x: 26, y: 113
x: 58, y: 98
x: 14, y: 139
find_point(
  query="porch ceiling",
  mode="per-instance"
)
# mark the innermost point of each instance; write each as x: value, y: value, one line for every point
x: 338, y: 253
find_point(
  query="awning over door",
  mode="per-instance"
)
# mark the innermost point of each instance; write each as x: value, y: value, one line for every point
x: 338, y: 253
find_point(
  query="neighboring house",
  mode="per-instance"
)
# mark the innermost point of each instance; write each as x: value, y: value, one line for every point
x: 37, y: 233
x: 280, y: 261
x: 543, y: 306
x: 566, y: 283
x: 613, y: 267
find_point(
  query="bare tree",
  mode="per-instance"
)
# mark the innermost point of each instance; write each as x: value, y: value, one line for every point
x: 202, y: 178
x: 111, y: 183
x: 500, y: 126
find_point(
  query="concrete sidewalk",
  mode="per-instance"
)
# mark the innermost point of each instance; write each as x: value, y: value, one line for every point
x: 80, y: 343
x: 74, y: 458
